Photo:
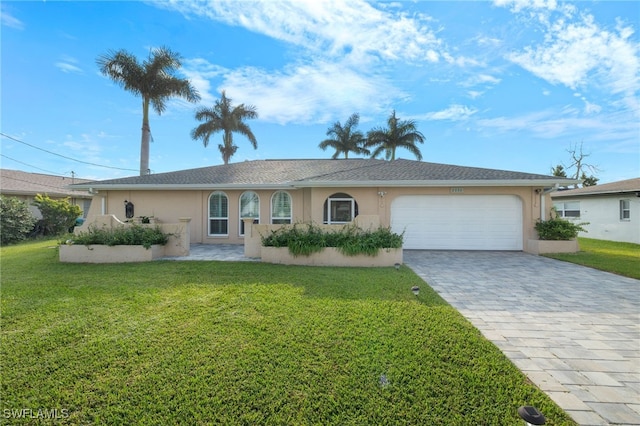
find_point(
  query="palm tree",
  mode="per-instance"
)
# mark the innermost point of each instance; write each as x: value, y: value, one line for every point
x: 345, y: 139
x: 398, y: 134
x: 153, y: 80
x: 228, y: 119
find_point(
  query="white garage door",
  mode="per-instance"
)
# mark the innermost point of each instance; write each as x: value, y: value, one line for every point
x: 458, y: 222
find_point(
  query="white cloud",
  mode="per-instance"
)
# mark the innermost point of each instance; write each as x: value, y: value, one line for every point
x: 308, y: 93
x: 567, y: 124
x: 333, y: 28
x: 452, y: 113
x: 519, y: 5
x: 8, y: 20
x: 342, y: 48
x: 577, y: 52
x: 68, y: 64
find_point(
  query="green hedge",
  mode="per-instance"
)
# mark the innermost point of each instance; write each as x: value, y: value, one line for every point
x: 305, y: 239
x: 558, y: 229
x: 134, y: 235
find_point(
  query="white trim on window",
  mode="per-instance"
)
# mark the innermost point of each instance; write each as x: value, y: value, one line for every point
x: 340, y: 209
x: 569, y: 209
x: 249, y: 208
x: 281, y: 208
x: 625, y: 210
x: 218, y: 213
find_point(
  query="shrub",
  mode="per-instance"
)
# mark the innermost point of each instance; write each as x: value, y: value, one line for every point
x: 134, y: 235
x: 58, y: 216
x: 349, y: 240
x: 16, y: 220
x: 557, y: 228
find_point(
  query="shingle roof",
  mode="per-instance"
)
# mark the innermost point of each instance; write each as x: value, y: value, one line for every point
x: 621, y: 186
x: 16, y: 182
x: 324, y: 172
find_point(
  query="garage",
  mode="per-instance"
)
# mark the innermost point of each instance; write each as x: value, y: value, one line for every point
x: 458, y: 222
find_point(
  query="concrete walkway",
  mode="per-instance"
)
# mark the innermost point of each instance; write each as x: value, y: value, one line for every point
x: 574, y: 331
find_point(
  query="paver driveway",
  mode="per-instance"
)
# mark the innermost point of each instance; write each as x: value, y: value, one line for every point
x: 574, y: 331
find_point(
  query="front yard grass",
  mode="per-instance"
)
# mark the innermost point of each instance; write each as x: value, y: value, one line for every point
x: 241, y: 344
x: 610, y: 256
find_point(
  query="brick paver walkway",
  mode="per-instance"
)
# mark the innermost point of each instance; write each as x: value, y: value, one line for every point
x: 574, y: 331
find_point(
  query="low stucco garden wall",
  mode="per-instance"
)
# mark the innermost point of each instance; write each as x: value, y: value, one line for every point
x: 330, y: 256
x: 327, y: 257
x: 549, y: 246
x: 178, y: 244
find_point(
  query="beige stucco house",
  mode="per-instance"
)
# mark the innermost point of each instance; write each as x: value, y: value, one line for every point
x: 437, y: 206
x: 25, y: 186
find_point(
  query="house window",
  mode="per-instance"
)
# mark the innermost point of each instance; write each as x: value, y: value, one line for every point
x: 340, y: 208
x: 218, y: 214
x: 625, y: 210
x: 249, y: 208
x: 569, y: 209
x: 281, y: 208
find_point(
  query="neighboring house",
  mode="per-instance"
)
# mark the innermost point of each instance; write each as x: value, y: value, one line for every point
x: 437, y: 206
x: 612, y: 209
x: 25, y: 186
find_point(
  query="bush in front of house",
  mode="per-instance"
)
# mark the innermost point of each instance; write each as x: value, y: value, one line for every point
x: 134, y: 235
x: 303, y: 240
x: 16, y: 220
x: 58, y: 216
x: 557, y: 228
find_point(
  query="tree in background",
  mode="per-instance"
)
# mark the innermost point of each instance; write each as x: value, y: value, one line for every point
x: 58, y: 216
x: 225, y: 118
x: 16, y: 220
x: 153, y: 80
x: 579, y: 166
x: 397, y: 134
x: 345, y: 139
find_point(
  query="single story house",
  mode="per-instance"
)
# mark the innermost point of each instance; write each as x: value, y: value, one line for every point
x: 437, y: 206
x: 25, y: 186
x: 612, y: 210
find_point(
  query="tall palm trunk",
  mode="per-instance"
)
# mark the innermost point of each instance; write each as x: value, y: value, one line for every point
x: 145, y: 139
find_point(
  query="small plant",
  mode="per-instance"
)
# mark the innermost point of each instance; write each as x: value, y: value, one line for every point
x: 304, y: 240
x: 558, y: 229
x: 134, y: 235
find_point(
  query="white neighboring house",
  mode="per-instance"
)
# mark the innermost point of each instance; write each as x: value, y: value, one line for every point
x: 612, y: 209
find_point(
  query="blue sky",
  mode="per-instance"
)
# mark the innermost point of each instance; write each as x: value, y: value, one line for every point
x: 505, y: 84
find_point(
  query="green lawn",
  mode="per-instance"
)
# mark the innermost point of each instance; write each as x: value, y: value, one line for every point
x: 611, y: 256
x: 242, y: 344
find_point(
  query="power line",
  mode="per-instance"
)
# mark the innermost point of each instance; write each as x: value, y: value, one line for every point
x: 29, y: 165
x: 63, y: 156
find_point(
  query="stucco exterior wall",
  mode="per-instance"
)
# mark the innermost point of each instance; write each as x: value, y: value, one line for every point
x: 308, y: 203
x: 603, y: 214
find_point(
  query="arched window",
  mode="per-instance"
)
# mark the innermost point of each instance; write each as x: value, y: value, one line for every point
x: 218, y: 214
x: 249, y: 208
x: 340, y: 208
x: 281, y: 208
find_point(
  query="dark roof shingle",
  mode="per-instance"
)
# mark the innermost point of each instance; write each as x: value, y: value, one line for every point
x: 321, y: 171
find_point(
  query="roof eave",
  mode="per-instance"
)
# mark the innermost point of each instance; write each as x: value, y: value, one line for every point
x: 185, y: 187
x: 538, y: 183
x: 586, y: 194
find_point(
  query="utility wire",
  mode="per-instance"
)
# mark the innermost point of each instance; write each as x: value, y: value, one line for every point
x: 63, y: 156
x: 29, y: 165
x: 37, y: 183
